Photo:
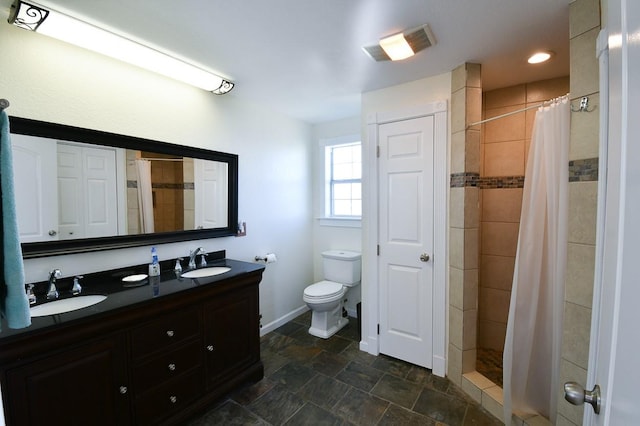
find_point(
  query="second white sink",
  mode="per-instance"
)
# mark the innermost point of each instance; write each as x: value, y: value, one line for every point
x: 206, y: 272
x: 65, y: 305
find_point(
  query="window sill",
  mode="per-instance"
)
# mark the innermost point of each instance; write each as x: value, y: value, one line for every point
x: 340, y: 222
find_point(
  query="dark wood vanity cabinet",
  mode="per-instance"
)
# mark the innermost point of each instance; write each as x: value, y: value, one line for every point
x: 155, y: 364
x: 80, y: 386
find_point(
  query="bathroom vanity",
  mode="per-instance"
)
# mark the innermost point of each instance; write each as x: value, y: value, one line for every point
x: 153, y: 353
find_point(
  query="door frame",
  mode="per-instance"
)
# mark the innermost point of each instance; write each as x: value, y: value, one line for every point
x: 370, y: 232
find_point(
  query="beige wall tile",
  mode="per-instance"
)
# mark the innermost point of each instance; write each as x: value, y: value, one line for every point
x: 491, y: 335
x: 471, y: 207
x: 504, y: 158
x: 472, y: 151
x: 456, y: 247
x: 492, y: 401
x: 458, y: 77
x: 543, y: 90
x: 458, y: 110
x: 458, y: 148
x: 499, y: 238
x: 469, y: 361
x: 580, y: 274
x: 575, y: 336
x: 584, y: 15
x: 585, y: 131
x: 530, y: 116
x: 509, y: 128
x: 563, y: 421
x: 454, y: 366
x: 474, y: 75
x: 470, y: 298
x: 493, y: 305
x: 584, y: 64
x: 469, y: 329
x: 508, y: 96
x: 497, y: 272
x: 501, y: 205
x: 582, y: 212
x: 455, y: 327
x: 456, y: 207
x: 456, y: 288
x: 570, y: 372
x: 473, y: 105
x: 471, y: 248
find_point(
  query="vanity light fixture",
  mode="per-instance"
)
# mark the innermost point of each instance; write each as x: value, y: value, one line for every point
x: 401, y: 45
x: 54, y: 24
x: 539, y: 57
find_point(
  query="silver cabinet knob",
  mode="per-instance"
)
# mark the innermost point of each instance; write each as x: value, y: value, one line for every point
x: 424, y: 257
x: 123, y: 389
x: 170, y: 333
x: 576, y: 395
x: 173, y: 399
x: 53, y: 233
x: 210, y: 348
x: 172, y: 367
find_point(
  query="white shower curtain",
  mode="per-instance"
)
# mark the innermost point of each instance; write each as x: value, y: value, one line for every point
x: 531, y: 359
x: 145, y: 197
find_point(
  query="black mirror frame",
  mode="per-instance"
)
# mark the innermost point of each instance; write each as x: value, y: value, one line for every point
x: 44, y: 129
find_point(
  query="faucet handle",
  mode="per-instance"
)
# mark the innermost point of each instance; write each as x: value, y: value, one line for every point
x: 77, y: 288
x: 203, y: 260
x: 178, y: 267
x: 30, y: 296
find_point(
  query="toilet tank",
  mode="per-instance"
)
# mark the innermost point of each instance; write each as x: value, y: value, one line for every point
x: 342, y: 266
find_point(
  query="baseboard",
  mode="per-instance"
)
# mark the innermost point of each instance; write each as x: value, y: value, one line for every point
x: 268, y: 328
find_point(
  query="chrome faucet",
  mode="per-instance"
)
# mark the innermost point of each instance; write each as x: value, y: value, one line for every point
x: 192, y: 256
x: 52, y: 292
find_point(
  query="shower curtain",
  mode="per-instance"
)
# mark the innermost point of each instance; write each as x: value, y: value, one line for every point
x: 145, y: 197
x: 531, y: 360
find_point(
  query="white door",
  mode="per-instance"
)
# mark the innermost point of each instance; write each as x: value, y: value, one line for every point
x: 210, y: 191
x: 87, y: 191
x: 406, y: 218
x: 613, y: 360
x: 36, y: 192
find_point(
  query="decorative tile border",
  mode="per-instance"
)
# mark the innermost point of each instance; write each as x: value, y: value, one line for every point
x: 462, y: 180
x: 579, y: 171
x: 177, y: 186
x: 583, y: 170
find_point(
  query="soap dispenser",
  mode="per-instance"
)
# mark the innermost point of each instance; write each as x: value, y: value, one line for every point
x: 154, y: 267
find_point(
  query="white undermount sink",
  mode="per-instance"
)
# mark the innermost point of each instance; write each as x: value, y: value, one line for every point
x: 206, y: 272
x: 66, y: 305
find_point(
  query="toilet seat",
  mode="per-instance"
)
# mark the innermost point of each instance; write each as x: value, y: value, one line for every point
x: 323, y: 290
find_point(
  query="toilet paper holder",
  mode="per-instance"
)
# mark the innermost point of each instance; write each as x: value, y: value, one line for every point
x: 267, y: 258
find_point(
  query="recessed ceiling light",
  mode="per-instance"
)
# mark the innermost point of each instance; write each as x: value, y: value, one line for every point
x: 401, y: 45
x: 539, y: 57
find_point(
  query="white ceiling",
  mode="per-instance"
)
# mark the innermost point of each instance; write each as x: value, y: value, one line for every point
x: 304, y: 57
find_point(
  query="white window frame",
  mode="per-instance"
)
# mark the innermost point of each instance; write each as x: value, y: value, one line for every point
x: 325, y: 218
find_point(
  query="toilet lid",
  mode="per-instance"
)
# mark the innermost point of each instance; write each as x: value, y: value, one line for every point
x: 323, y: 289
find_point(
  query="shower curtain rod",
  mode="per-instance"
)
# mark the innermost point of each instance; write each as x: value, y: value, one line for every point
x: 584, y: 107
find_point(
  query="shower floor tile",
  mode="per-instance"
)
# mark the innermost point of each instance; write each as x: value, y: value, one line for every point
x: 489, y: 364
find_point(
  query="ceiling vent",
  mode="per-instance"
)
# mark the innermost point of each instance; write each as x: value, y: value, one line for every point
x: 417, y: 38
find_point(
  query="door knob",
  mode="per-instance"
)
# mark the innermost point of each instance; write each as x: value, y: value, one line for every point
x: 576, y: 395
x: 424, y: 257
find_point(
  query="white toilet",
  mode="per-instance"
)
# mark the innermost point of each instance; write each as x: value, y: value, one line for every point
x: 342, y: 270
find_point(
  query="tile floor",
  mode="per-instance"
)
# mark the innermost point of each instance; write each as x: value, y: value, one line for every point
x: 312, y: 381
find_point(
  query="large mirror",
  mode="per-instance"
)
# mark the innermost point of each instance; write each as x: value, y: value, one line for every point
x: 81, y: 190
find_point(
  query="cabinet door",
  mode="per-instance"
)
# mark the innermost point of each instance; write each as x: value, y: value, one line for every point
x: 81, y: 386
x: 232, y: 336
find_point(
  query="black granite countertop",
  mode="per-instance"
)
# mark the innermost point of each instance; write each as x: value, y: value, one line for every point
x: 122, y: 294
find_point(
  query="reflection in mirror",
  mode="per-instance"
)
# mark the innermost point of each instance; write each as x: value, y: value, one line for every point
x: 74, y: 196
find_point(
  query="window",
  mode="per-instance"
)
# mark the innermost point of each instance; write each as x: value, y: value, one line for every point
x: 343, y: 176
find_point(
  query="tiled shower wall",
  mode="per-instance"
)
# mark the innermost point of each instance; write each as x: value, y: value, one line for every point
x: 503, y: 156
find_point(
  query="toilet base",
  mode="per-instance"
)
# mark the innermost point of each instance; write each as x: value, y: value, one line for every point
x: 321, y: 328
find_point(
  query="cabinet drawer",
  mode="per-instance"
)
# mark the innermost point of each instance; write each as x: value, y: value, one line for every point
x: 170, y: 398
x: 166, y: 366
x: 165, y: 331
